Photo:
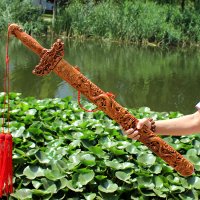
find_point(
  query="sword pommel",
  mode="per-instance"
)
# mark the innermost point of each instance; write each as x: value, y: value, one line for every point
x: 26, y: 39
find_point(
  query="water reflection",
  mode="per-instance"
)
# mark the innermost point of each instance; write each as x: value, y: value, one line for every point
x: 160, y: 79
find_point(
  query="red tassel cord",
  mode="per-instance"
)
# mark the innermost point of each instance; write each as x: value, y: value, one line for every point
x: 6, y: 144
x: 2, y: 140
x: 6, y: 185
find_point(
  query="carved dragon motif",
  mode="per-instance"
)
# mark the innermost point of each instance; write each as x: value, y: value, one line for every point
x: 52, y: 60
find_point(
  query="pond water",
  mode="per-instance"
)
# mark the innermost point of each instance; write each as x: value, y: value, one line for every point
x: 163, y: 80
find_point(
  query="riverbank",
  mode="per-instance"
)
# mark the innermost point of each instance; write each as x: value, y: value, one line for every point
x: 138, y: 22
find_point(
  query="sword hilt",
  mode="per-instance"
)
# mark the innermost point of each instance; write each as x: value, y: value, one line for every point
x: 49, y: 58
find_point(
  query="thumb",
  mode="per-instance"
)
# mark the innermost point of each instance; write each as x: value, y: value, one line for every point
x: 140, y: 124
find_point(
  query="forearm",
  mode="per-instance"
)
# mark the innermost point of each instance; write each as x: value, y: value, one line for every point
x: 185, y: 125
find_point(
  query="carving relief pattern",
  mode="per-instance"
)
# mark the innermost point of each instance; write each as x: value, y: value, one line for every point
x: 52, y: 60
x: 115, y: 111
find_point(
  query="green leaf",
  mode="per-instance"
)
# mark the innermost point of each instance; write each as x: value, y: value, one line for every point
x: 122, y: 176
x: 176, y: 188
x: 19, y: 132
x: 189, y: 195
x: 156, y: 169
x: 108, y: 186
x: 87, y: 159
x: 49, y: 186
x: 89, y: 196
x: 100, y: 177
x: 42, y: 157
x: 194, y: 181
x: 31, y: 112
x: 107, y: 142
x: 86, y: 177
x: 31, y: 172
x: 39, y: 192
x: 32, y: 152
x: 144, y: 109
x: 71, y: 186
x: 23, y: 194
x: 36, y: 184
x: 146, y: 159
x: 145, y: 182
x: 116, y: 151
x: 116, y: 165
x: 62, y: 183
x: 159, y: 193
x: 132, y: 149
x: 53, y: 174
x: 158, y: 181
x: 147, y: 193
x: 97, y: 151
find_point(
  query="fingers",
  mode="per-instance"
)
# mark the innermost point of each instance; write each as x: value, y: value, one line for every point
x: 133, y: 134
x: 143, y: 122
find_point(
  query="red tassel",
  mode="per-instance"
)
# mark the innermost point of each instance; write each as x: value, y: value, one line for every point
x: 2, y: 140
x: 6, y: 174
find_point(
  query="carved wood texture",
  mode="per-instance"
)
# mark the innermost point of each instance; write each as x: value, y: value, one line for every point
x: 52, y: 60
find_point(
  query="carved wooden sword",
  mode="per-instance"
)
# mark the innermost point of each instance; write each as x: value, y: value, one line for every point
x: 52, y: 60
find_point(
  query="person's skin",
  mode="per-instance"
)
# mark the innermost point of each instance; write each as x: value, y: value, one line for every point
x: 185, y: 125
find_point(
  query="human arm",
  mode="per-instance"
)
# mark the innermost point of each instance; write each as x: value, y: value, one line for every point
x: 184, y: 125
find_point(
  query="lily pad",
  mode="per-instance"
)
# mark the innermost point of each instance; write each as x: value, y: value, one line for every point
x: 108, y: 186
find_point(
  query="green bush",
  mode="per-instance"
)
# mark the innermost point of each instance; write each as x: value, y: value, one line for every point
x: 135, y: 21
x: 143, y: 22
x: 62, y: 152
x: 21, y: 12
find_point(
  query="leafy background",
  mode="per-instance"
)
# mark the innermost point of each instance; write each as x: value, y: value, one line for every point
x: 62, y: 152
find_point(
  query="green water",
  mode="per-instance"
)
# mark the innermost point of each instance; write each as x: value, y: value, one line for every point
x: 164, y: 80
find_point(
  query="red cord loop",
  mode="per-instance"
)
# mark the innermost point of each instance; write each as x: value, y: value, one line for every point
x: 81, y: 106
x: 111, y: 95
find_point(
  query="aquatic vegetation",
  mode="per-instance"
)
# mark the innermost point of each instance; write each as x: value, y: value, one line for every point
x: 62, y: 152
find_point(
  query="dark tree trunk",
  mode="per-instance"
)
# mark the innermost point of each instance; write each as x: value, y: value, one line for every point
x: 182, y: 5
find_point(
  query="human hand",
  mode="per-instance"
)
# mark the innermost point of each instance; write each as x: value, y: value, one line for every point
x: 134, y: 133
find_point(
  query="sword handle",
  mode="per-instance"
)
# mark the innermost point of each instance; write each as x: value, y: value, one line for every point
x: 26, y: 39
x: 166, y: 152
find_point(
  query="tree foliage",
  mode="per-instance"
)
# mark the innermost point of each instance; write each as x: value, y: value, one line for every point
x: 21, y: 12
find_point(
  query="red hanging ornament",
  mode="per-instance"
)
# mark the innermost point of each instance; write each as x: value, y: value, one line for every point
x: 6, y: 173
x: 2, y: 140
x: 6, y: 185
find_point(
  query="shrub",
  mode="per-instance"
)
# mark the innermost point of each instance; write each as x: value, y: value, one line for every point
x: 23, y: 13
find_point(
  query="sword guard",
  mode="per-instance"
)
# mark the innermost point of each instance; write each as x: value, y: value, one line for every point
x: 49, y: 59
